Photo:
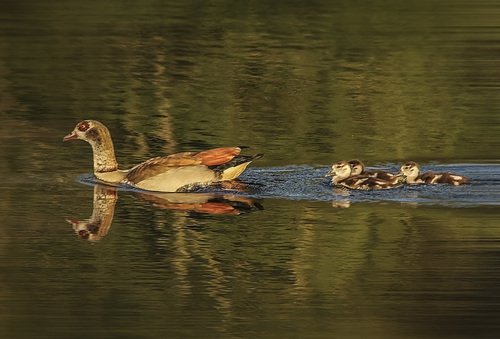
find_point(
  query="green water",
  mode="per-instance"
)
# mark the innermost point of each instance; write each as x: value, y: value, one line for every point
x: 305, y: 83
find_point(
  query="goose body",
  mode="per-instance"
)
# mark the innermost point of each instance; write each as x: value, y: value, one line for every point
x: 341, y: 173
x: 172, y: 173
x: 411, y: 170
x: 358, y: 168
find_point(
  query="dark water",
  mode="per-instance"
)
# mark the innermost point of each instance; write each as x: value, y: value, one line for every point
x: 279, y: 254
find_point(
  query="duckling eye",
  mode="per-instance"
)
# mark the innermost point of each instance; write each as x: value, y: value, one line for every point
x: 83, y: 126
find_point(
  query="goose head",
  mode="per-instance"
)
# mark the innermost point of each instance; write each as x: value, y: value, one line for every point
x: 91, y: 131
x: 357, y: 167
x: 340, y: 170
x: 410, y: 170
x: 98, y: 136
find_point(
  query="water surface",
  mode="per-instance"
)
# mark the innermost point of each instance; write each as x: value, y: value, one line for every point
x: 282, y: 254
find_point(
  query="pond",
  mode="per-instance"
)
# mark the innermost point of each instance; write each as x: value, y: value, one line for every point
x: 280, y: 253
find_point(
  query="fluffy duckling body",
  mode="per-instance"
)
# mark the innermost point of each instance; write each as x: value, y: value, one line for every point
x: 411, y: 171
x: 172, y: 173
x: 358, y: 168
x: 341, y: 173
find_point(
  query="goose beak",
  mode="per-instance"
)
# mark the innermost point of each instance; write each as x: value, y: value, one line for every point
x: 71, y: 221
x: 71, y: 136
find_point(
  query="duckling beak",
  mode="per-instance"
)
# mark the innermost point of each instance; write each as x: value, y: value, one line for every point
x: 71, y: 136
x: 330, y: 173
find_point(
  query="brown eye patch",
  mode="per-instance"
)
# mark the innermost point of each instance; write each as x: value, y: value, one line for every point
x: 93, y: 135
x: 83, y: 126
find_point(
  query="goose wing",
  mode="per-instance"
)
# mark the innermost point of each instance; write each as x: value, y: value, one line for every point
x: 201, y: 160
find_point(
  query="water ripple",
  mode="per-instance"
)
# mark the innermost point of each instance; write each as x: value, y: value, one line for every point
x: 309, y: 183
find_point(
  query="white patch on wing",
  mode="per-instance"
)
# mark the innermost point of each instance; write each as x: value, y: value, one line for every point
x: 234, y: 172
x: 176, y: 177
x: 436, y: 178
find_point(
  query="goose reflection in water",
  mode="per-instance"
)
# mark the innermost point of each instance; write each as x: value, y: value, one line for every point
x: 97, y: 226
x: 105, y: 197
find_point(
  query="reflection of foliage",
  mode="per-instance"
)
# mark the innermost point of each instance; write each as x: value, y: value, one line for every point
x: 315, y: 256
x: 301, y: 81
x: 312, y: 82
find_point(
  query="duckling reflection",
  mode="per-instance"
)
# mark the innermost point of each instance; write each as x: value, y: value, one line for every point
x: 105, y: 197
x: 343, y: 197
x: 341, y: 204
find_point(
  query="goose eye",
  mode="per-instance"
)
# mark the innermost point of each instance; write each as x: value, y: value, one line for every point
x: 84, y: 234
x: 83, y: 126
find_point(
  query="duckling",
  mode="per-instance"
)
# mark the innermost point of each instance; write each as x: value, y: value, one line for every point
x: 359, y: 168
x: 341, y: 173
x: 411, y: 170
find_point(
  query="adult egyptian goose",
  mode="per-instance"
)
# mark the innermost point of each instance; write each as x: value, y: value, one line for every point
x: 172, y: 173
x: 341, y: 173
x: 358, y: 168
x: 411, y: 170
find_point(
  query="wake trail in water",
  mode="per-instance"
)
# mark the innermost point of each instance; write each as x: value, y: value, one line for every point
x: 309, y: 183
